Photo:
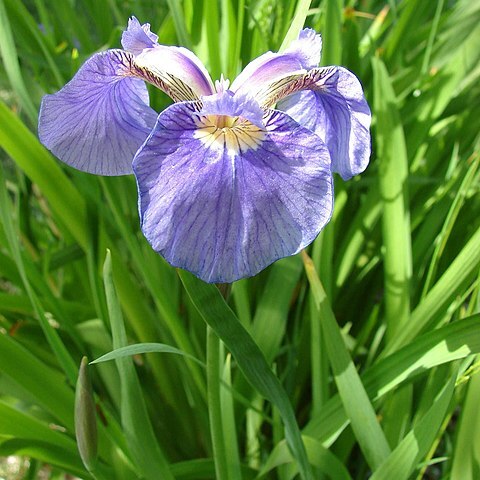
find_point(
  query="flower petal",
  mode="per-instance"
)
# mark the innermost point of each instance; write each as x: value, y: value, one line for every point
x: 336, y: 110
x: 302, y: 55
x: 182, y: 72
x: 233, y: 105
x: 307, y: 47
x: 137, y: 37
x: 175, y: 70
x: 99, y: 119
x: 227, y: 213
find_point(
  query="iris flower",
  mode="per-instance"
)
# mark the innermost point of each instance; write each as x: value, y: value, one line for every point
x: 230, y: 177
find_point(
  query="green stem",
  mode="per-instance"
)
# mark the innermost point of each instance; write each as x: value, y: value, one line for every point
x: 214, y: 403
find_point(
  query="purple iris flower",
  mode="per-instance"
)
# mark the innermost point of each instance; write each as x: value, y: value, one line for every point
x: 227, y: 182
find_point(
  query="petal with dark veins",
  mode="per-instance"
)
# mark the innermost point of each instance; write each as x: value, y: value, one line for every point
x: 138, y: 37
x: 99, y: 119
x: 334, y: 107
x: 224, y: 212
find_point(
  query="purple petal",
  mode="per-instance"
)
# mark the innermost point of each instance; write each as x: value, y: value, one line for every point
x: 175, y: 70
x: 137, y: 37
x: 302, y: 54
x: 99, y: 119
x: 233, y: 105
x: 180, y: 69
x: 224, y: 211
x: 307, y: 47
x: 265, y: 69
x: 336, y: 110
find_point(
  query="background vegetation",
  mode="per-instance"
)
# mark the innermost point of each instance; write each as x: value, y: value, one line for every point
x: 380, y: 372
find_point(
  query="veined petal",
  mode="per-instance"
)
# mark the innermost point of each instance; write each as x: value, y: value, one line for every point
x: 330, y: 102
x: 137, y: 37
x: 99, y: 119
x: 227, y: 213
x: 307, y: 47
x: 264, y: 69
x: 226, y: 103
x: 180, y: 72
x: 302, y: 55
x: 175, y: 70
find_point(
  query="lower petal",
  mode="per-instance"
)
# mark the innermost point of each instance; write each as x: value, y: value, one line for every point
x: 336, y: 110
x: 226, y: 213
x: 99, y: 119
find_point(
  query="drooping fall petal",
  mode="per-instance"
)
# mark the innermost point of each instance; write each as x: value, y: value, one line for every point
x: 336, y: 110
x: 99, y: 119
x: 226, y: 204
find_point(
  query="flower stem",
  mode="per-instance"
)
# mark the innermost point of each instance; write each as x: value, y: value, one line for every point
x: 214, y: 403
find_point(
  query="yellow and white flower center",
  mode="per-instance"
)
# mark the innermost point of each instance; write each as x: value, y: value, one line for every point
x: 235, y: 134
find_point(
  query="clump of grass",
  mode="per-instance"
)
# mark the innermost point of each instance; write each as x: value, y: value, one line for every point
x: 367, y: 344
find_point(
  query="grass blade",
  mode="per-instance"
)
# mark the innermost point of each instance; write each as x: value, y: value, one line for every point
x: 228, y: 422
x: 25, y: 149
x: 444, y: 292
x: 453, y: 342
x: 212, y: 28
x: 393, y: 174
x: 8, y: 52
x: 63, y: 356
x: 332, y: 33
x: 355, y: 400
x: 139, y: 348
x: 138, y: 429
x: 179, y: 21
x: 216, y: 313
x: 319, y: 456
x: 214, y: 405
x: 466, y: 462
x: 404, y: 459
x: 297, y: 23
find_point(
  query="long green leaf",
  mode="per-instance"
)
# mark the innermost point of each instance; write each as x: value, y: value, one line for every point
x: 404, y: 459
x: 9, y: 55
x: 138, y: 429
x: 297, y: 23
x: 228, y: 423
x: 455, y: 341
x: 466, y: 461
x: 25, y: 149
x: 28, y: 23
x: 179, y: 21
x: 139, y: 348
x: 43, y: 385
x: 393, y: 174
x: 214, y: 365
x: 321, y: 457
x: 216, y: 313
x: 20, y: 424
x: 63, y: 356
x: 332, y: 32
x: 354, y: 397
x: 435, y: 305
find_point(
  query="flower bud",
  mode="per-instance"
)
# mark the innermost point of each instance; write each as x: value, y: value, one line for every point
x: 85, y: 419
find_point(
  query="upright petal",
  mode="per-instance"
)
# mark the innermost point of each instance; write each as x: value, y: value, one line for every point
x: 335, y: 108
x: 233, y: 105
x: 175, y: 70
x: 181, y: 71
x: 137, y: 37
x: 99, y: 119
x: 226, y: 211
x: 302, y: 55
x: 307, y: 47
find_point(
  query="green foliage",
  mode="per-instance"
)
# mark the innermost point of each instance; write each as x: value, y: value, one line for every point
x: 376, y: 377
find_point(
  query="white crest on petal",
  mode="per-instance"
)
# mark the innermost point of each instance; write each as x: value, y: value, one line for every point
x: 222, y: 84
